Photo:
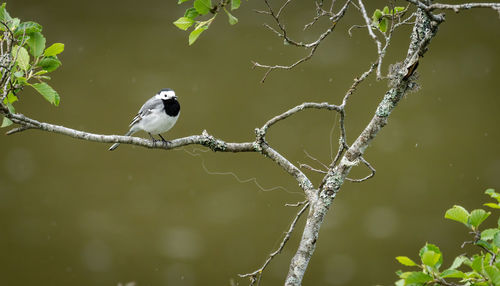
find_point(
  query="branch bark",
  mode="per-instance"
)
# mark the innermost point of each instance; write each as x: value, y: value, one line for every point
x: 423, y: 31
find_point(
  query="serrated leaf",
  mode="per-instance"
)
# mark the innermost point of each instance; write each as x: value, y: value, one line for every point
x: 476, y: 217
x: 430, y: 258
x: 47, y: 92
x: 406, y: 261
x: 493, y: 274
x: 191, y: 13
x: 54, y: 50
x: 49, y: 64
x: 458, y: 213
x: 23, y: 58
x: 492, y: 205
x: 6, y: 122
x: 13, y: 24
x: 4, y: 15
x: 458, y: 262
x: 203, y: 6
x: 452, y: 273
x: 386, y: 10
x: 383, y: 25
x: 417, y: 278
x: 232, y: 20
x: 496, y: 239
x: 235, y: 4
x: 193, y: 36
x: 36, y: 42
x: 431, y: 247
x: 27, y: 28
x: 489, y: 233
x: 184, y: 23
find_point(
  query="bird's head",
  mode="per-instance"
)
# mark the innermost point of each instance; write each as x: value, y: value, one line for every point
x: 166, y: 94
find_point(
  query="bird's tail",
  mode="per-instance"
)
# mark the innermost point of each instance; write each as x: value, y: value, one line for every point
x: 114, y: 146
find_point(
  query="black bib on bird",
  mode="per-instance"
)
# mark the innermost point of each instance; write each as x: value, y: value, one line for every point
x: 172, y: 106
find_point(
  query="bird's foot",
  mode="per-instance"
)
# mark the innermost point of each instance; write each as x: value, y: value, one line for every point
x: 163, y: 139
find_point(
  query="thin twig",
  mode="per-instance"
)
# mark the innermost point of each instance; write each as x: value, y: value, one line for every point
x: 255, y: 276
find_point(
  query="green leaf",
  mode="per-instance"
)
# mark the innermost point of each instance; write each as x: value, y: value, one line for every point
x: 417, y: 278
x: 48, y: 92
x: 235, y: 4
x: 397, y: 9
x: 36, y: 42
x: 203, y: 6
x: 477, y: 263
x: 493, y: 194
x: 10, y: 107
x: 489, y: 233
x: 477, y: 217
x: 383, y: 25
x: 184, y: 23
x: 4, y: 15
x: 13, y: 24
x: 182, y: 1
x: 232, y: 20
x: 27, y: 28
x: 386, y: 10
x: 452, y: 273
x: 405, y: 261
x: 484, y: 244
x: 23, y: 58
x: 191, y: 13
x: 377, y: 14
x: 430, y: 258
x: 493, y: 274
x: 458, y: 213
x: 496, y: 239
x: 54, y: 49
x: 10, y: 98
x: 49, y: 63
x: 6, y: 122
x: 400, y: 282
x: 196, y: 33
x: 492, y: 205
x: 431, y: 247
x: 458, y: 262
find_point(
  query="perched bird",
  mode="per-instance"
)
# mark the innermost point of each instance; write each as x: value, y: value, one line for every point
x: 156, y: 116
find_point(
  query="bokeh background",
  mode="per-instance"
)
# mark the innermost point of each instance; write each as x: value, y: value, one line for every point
x: 73, y: 213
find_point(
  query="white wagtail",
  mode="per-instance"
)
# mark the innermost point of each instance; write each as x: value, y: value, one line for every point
x: 156, y: 116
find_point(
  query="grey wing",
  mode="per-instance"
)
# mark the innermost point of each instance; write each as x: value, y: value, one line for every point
x: 150, y: 105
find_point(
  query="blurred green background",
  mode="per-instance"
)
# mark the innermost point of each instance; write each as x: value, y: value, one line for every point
x: 73, y: 213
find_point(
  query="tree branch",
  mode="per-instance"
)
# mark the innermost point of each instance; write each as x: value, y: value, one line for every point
x: 424, y: 30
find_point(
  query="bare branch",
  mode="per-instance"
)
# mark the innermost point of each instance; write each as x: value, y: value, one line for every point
x: 313, y: 45
x: 367, y: 177
x: 292, y: 111
x: 257, y: 274
x: 301, y: 165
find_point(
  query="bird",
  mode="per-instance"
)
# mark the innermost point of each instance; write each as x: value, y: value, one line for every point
x: 158, y: 115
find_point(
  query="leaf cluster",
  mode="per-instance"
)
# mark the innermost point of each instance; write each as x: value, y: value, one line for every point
x: 479, y: 269
x: 201, y: 8
x: 380, y: 18
x: 25, y: 61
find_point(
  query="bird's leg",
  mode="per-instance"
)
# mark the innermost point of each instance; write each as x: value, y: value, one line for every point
x: 152, y: 138
x: 163, y: 139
